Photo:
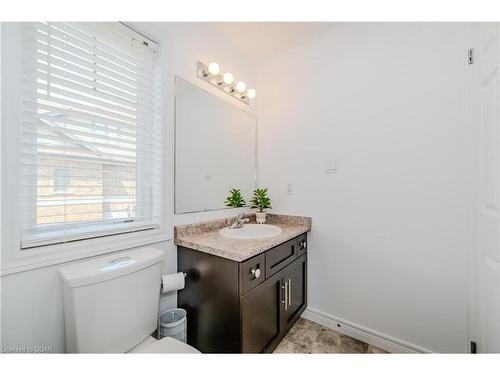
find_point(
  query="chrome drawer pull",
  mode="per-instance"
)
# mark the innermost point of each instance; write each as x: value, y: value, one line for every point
x: 285, y: 302
x: 255, y: 272
x: 289, y: 292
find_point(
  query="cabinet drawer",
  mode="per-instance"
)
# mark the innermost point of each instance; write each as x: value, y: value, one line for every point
x: 301, y: 244
x: 280, y: 256
x: 252, y: 273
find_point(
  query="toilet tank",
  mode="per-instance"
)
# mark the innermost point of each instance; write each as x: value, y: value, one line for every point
x: 111, y: 303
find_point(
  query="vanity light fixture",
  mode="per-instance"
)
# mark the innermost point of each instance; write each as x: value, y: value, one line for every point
x: 228, y: 78
x: 240, y: 86
x: 225, y: 81
x: 213, y: 68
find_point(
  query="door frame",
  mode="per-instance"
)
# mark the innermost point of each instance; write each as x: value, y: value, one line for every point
x: 470, y: 39
x: 476, y: 328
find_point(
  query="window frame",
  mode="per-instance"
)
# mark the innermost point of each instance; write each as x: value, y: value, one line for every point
x: 58, y: 232
x: 13, y: 258
x: 66, y: 177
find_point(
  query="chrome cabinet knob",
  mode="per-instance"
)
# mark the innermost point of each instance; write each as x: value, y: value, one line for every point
x: 255, y: 272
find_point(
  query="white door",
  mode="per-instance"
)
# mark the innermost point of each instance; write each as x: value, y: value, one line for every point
x: 482, y: 86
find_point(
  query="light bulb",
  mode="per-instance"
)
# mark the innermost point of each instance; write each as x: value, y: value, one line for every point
x: 213, y: 68
x: 228, y: 78
x: 251, y: 93
x: 240, y: 86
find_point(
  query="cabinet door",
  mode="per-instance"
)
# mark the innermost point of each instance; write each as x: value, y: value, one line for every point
x: 295, y: 279
x: 261, y: 316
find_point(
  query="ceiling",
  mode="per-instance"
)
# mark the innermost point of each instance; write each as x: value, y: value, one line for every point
x: 261, y: 39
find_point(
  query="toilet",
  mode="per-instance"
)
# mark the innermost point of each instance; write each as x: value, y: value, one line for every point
x: 111, y: 305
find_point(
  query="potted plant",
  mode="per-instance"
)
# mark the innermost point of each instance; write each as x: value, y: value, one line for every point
x: 235, y: 199
x: 261, y: 201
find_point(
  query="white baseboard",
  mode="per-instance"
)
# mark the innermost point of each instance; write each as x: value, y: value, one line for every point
x: 384, y: 342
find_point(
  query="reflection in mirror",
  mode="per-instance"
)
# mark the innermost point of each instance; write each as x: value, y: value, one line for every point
x: 215, y: 144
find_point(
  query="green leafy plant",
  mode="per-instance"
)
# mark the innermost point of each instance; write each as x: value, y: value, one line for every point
x: 235, y: 199
x: 260, y: 200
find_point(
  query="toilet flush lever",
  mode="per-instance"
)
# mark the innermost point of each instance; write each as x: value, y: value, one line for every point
x: 118, y: 263
x: 120, y: 260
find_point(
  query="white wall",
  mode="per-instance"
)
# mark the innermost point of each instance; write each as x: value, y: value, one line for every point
x: 388, y: 245
x: 32, y: 306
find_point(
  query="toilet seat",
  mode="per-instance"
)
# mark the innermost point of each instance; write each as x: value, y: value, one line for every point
x: 169, y: 345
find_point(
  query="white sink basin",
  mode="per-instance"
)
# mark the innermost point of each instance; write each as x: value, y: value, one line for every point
x: 251, y: 231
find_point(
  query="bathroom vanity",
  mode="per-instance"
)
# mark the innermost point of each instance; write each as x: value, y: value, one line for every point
x: 242, y: 296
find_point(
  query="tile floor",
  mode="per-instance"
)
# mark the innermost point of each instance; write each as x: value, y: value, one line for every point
x: 309, y: 337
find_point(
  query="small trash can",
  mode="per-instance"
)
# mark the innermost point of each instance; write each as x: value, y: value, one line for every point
x: 173, y: 323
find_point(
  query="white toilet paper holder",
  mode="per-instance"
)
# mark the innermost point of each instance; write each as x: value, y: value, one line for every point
x: 183, y: 274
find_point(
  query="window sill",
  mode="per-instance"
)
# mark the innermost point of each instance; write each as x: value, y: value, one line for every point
x: 46, y: 256
x: 56, y: 237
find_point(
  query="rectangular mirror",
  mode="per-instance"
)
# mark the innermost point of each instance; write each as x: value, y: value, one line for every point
x: 215, y: 149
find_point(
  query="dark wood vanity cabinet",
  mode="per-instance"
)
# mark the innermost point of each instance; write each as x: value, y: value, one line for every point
x: 270, y: 310
x: 243, y: 307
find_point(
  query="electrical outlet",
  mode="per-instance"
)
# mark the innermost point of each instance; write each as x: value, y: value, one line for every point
x: 289, y: 189
x: 330, y: 166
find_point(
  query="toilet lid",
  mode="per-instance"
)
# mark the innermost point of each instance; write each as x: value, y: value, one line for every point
x: 169, y: 345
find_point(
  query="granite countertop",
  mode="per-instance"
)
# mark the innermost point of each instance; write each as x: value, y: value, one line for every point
x: 205, y: 236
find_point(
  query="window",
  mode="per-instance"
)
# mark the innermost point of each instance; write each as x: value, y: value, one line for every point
x: 90, y: 133
x: 62, y: 180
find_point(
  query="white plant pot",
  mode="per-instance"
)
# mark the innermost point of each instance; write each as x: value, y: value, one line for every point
x: 260, y: 217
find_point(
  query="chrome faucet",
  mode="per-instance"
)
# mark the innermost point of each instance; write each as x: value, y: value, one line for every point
x: 240, y: 220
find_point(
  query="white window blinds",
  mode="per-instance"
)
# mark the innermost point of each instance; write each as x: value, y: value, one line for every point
x: 90, y: 133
